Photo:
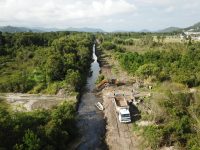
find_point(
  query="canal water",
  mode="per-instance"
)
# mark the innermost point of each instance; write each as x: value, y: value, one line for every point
x: 91, y: 121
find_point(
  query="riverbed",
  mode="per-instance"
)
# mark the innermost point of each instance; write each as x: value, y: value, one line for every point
x: 91, y: 121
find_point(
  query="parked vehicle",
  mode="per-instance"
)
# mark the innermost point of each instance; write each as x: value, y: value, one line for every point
x: 99, y: 106
x: 122, y: 108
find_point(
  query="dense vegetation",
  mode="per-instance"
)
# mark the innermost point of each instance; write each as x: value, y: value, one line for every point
x: 145, y: 56
x: 177, y: 123
x: 182, y: 67
x: 42, y: 129
x: 43, y: 62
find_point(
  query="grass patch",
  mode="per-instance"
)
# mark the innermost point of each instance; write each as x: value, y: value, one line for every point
x: 100, y: 78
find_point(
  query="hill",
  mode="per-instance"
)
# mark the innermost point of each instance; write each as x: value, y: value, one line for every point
x: 85, y: 29
x: 194, y: 28
x: 12, y: 29
x: 170, y: 29
x: 145, y: 30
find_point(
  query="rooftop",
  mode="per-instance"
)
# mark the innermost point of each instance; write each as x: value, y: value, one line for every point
x: 124, y: 111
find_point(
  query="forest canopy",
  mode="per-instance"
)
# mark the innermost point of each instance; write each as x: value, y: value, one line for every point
x: 41, y: 129
x: 172, y: 65
x: 42, y: 63
x: 32, y: 62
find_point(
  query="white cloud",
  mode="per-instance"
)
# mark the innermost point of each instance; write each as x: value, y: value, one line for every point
x: 153, y: 2
x: 170, y: 9
x: 60, y: 11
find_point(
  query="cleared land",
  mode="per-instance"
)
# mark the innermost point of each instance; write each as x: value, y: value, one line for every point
x: 29, y: 102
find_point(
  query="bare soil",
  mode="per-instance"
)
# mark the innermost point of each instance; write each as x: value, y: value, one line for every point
x: 29, y: 102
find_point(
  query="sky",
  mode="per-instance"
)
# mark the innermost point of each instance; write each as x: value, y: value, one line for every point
x: 109, y: 15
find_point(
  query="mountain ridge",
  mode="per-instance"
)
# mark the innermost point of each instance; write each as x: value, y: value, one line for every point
x: 13, y: 29
x: 195, y: 28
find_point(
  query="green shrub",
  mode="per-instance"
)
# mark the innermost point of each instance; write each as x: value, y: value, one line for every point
x: 164, y: 65
x: 108, y: 46
x: 100, y: 78
x: 153, y: 135
x: 193, y: 143
x: 40, y: 128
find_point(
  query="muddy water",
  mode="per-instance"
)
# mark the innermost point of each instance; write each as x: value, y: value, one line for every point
x: 91, y: 122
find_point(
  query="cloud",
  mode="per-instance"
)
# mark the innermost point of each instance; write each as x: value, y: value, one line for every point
x: 106, y: 14
x: 153, y: 2
x: 60, y: 11
x: 170, y: 9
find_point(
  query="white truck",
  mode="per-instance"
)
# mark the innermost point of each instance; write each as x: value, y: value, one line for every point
x: 122, y: 108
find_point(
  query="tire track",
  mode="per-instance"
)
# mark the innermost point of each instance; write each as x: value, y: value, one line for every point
x: 130, y: 136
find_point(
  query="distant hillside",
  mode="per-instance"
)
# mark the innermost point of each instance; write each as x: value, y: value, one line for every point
x: 145, y: 30
x: 42, y: 29
x: 12, y: 29
x: 170, y: 29
x: 195, y: 27
x: 84, y: 29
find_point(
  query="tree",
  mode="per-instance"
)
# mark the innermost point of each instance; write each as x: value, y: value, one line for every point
x: 158, y: 38
x: 108, y: 45
x: 1, y: 39
x: 54, y: 68
x: 2, y: 51
x: 163, y: 38
x: 73, y: 78
x: 189, y: 40
x: 147, y: 40
x: 70, y: 60
x: 147, y: 70
x: 30, y: 141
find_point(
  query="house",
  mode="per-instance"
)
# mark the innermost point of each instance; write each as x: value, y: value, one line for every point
x: 193, y: 35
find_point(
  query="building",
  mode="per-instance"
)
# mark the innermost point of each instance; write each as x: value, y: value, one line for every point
x: 193, y: 35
